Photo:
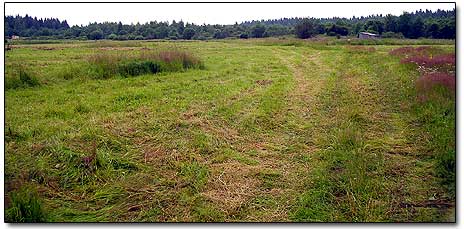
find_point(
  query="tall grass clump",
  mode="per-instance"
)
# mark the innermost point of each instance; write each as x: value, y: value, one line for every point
x: 22, y: 79
x: 109, y: 64
x: 135, y: 67
x: 173, y: 60
x: 427, y: 83
x: 25, y: 207
x: 105, y: 64
x: 436, y: 105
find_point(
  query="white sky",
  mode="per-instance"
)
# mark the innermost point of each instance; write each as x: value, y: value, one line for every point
x: 209, y: 13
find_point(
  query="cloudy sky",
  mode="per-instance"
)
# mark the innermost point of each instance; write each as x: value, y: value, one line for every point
x: 209, y: 13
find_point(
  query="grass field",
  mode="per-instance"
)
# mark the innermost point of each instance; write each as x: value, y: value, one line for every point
x: 266, y: 130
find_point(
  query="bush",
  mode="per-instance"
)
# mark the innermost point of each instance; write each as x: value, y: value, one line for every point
x: 112, y: 36
x: 257, y: 30
x: 122, y: 37
x: 188, y: 33
x: 243, y: 36
x: 332, y: 34
x: 95, y: 35
x: 26, y: 207
x: 306, y: 29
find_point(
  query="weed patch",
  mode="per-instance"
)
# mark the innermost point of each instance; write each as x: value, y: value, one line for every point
x: 26, y: 207
x: 109, y: 64
x: 23, y: 79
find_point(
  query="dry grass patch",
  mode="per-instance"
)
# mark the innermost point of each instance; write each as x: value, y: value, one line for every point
x: 231, y: 186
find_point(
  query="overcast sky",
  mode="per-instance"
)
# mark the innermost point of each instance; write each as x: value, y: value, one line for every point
x: 209, y: 13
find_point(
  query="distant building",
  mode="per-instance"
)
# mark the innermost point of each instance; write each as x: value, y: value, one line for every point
x: 366, y: 35
x: 14, y: 37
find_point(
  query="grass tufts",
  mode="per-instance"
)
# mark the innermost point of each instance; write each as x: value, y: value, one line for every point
x: 22, y: 79
x: 109, y: 64
x: 195, y: 175
x: 26, y: 207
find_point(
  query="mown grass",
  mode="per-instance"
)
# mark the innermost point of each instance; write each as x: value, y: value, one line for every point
x: 261, y: 133
x: 357, y: 177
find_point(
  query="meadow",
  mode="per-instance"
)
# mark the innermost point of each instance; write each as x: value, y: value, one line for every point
x: 258, y: 130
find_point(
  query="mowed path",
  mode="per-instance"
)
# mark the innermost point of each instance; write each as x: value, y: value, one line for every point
x: 267, y: 189
x: 342, y: 109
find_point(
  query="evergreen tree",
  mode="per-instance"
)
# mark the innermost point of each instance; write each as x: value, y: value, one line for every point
x: 305, y: 29
x: 258, y: 30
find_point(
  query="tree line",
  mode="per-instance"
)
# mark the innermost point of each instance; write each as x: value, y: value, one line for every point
x: 427, y: 24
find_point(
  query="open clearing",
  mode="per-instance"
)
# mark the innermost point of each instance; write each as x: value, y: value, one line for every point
x: 267, y: 131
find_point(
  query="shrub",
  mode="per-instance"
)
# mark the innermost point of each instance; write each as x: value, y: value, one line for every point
x: 122, y: 37
x: 306, y: 29
x: 26, y: 207
x: 243, y: 36
x: 112, y: 36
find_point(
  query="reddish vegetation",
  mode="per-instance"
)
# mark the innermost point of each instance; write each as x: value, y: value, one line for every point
x: 427, y: 81
x: 431, y: 61
x: 411, y: 51
x: 435, y: 67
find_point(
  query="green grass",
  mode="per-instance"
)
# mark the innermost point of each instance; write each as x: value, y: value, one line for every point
x: 26, y: 207
x: 264, y: 130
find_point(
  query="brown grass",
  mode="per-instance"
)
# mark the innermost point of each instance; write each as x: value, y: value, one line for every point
x: 231, y: 185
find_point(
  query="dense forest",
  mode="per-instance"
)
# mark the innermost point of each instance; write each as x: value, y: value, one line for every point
x: 427, y: 24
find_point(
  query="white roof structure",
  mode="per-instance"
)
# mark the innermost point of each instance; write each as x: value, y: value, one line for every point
x: 370, y: 34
